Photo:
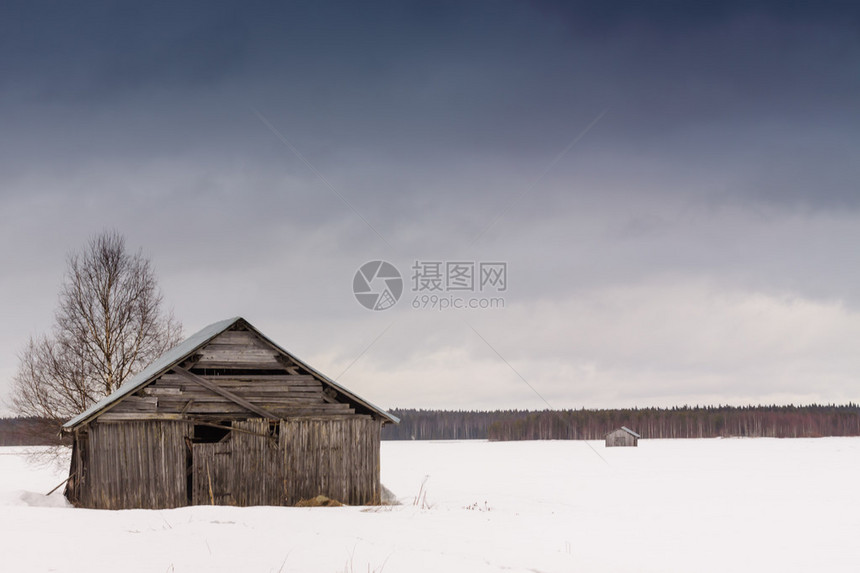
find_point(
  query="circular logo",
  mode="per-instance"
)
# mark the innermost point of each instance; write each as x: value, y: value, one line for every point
x: 377, y: 285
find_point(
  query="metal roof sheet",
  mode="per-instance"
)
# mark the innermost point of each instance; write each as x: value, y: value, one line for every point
x: 187, y: 347
x: 629, y: 431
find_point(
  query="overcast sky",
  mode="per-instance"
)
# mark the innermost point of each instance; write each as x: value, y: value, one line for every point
x: 674, y: 188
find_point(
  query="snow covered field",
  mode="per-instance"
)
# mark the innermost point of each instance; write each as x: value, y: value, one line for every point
x: 682, y: 505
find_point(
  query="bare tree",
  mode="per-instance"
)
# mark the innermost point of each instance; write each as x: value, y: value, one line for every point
x: 109, y: 325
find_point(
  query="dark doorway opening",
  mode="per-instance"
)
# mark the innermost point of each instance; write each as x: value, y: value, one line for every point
x: 204, y: 434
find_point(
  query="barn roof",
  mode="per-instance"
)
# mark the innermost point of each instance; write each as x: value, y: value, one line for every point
x: 188, y: 347
x: 631, y: 432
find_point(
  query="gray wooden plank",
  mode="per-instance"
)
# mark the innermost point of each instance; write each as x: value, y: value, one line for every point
x: 226, y: 393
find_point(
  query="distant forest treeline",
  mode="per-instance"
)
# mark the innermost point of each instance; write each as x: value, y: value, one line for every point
x: 22, y: 432
x: 679, y: 422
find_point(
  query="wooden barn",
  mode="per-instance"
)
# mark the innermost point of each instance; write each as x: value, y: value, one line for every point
x: 226, y: 418
x: 623, y: 436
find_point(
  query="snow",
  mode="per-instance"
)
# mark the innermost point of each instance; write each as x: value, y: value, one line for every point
x: 668, y: 505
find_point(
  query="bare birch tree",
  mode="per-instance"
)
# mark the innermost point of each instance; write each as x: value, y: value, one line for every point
x: 109, y: 325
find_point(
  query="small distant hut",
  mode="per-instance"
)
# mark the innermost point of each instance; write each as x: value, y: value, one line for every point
x: 623, y: 436
x: 226, y: 418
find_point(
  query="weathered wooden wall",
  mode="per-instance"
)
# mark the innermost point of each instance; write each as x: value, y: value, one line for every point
x: 77, y: 465
x: 336, y: 458
x: 135, y: 464
x: 143, y: 464
x: 246, y: 469
x: 258, y: 464
x: 212, y: 474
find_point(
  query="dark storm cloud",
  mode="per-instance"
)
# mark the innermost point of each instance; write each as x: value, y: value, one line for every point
x: 492, y: 75
x: 407, y: 104
x: 92, y: 52
x: 761, y: 88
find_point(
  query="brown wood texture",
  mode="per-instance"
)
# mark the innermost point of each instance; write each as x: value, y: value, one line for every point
x: 231, y: 396
x: 338, y: 458
x: 135, y: 464
x: 245, y: 470
x: 212, y: 477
